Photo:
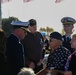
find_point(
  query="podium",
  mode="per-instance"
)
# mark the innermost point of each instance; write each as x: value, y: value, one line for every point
x: 53, y: 72
x: 42, y: 72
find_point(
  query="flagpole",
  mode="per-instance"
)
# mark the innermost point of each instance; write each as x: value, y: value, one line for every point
x: 0, y: 16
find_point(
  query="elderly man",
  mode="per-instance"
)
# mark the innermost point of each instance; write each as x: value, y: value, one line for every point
x: 59, y: 54
x: 68, y: 25
x: 26, y: 71
x: 33, y: 45
x: 14, y: 48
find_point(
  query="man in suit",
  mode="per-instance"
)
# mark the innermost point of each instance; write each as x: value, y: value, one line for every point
x: 14, y: 48
x: 68, y: 25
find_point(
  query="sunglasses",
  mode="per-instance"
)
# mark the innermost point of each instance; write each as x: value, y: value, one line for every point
x: 51, y: 40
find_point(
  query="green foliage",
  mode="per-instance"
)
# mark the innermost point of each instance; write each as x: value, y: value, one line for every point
x: 42, y: 29
x: 6, y: 24
x: 48, y: 30
x: 63, y: 32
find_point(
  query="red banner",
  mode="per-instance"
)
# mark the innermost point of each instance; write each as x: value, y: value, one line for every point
x: 58, y: 1
x: 26, y: 1
x: 5, y: 1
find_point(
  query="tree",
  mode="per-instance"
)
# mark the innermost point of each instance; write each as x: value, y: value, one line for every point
x: 63, y: 32
x: 6, y: 24
x: 48, y: 30
x: 42, y: 29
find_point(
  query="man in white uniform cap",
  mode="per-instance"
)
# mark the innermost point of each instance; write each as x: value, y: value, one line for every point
x: 14, y: 48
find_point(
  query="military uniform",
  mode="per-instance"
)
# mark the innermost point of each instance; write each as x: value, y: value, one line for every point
x: 14, y: 51
x: 67, y: 44
x: 66, y: 21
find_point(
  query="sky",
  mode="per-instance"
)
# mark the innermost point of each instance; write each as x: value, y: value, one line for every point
x: 46, y: 12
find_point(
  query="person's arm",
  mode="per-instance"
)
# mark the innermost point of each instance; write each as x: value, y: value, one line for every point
x: 27, y: 61
x: 32, y: 65
x: 72, y: 66
x: 68, y: 73
x: 58, y: 72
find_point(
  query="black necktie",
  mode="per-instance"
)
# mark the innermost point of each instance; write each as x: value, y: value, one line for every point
x: 67, y: 39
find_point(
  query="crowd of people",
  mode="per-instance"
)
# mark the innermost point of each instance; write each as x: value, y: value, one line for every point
x: 22, y: 53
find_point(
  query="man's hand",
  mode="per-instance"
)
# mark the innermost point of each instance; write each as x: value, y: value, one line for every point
x: 32, y: 65
x: 68, y: 73
x: 39, y: 63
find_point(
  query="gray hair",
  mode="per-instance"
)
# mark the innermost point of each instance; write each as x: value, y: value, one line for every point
x: 26, y: 71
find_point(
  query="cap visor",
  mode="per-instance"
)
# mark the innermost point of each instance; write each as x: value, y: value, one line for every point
x: 24, y: 28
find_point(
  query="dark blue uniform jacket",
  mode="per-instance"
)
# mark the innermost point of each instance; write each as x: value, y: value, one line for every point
x: 14, y: 55
x: 67, y: 44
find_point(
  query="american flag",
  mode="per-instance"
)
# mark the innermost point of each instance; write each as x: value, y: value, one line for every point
x: 58, y: 1
x: 5, y: 1
x: 26, y: 1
